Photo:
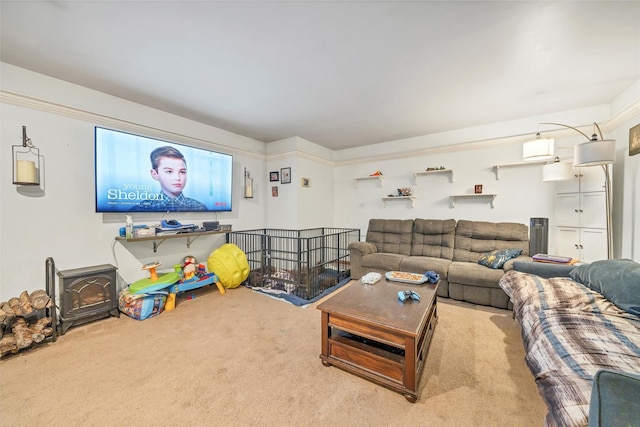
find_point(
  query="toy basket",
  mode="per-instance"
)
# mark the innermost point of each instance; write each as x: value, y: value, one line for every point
x: 142, y: 306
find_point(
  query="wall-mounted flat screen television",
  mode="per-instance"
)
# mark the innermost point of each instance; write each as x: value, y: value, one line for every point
x: 135, y: 173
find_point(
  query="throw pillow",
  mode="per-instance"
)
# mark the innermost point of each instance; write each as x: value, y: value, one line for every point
x: 618, y: 280
x: 497, y: 258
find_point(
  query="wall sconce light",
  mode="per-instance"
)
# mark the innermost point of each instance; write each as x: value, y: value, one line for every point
x: 248, y: 185
x: 26, y: 162
x: 538, y: 149
x: 597, y: 152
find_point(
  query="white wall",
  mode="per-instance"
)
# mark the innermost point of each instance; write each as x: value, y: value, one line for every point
x: 59, y: 221
x: 298, y: 207
x: 521, y: 194
x: 627, y: 189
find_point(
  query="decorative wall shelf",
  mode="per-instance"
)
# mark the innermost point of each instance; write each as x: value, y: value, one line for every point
x: 511, y: 165
x: 449, y: 171
x: 362, y: 178
x: 158, y: 239
x: 489, y: 197
x: 385, y: 199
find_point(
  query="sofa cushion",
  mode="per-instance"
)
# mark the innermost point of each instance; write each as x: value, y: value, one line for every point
x: 497, y: 258
x: 474, y: 274
x: 421, y: 264
x: 391, y: 235
x: 433, y: 238
x: 618, y: 280
x: 475, y: 238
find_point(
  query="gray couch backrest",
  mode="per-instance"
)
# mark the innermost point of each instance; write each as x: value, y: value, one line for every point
x: 391, y: 235
x: 475, y: 238
x: 433, y: 238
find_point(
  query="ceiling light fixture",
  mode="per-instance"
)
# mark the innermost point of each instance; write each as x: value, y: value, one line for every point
x: 538, y: 149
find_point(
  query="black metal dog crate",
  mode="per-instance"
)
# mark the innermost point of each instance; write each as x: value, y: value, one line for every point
x: 300, y: 262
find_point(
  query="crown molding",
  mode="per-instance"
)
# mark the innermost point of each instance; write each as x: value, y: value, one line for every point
x: 300, y: 155
x: 12, y: 98
x: 622, y: 117
x: 20, y: 100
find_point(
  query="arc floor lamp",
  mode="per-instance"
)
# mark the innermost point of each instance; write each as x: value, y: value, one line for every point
x: 597, y: 152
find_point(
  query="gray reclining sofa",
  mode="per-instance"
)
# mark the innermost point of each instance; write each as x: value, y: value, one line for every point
x: 450, y: 248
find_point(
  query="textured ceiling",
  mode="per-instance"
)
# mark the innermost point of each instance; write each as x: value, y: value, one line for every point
x: 338, y: 73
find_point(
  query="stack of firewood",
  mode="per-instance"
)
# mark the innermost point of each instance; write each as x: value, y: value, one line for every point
x: 20, y: 324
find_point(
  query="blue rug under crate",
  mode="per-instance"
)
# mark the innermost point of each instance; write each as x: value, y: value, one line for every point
x: 296, y: 300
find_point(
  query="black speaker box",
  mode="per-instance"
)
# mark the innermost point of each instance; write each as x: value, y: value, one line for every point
x: 211, y: 225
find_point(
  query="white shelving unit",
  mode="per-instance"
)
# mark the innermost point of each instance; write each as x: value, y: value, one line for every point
x: 489, y: 197
x: 445, y: 171
x: 497, y: 168
x: 385, y: 199
x: 365, y: 178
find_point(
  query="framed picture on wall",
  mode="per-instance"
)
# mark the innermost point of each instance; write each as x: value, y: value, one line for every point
x: 305, y: 182
x: 274, y: 176
x: 634, y: 140
x: 285, y: 176
x: 274, y: 191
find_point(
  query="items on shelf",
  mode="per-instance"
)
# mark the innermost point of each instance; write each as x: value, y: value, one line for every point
x: 376, y: 173
x: 402, y: 192
x: 429, y: 169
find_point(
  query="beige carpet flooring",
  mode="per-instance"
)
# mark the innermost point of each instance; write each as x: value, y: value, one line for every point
x: 245, y: 359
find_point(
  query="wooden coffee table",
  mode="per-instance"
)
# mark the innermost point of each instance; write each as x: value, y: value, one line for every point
x: 368, y: 331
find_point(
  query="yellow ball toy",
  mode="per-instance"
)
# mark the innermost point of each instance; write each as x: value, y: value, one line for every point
x: 230, y: 264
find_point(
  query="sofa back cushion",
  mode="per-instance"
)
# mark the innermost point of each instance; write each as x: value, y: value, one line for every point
x: 433, y: 238
x: 476, y: 238
x: 391, y: 235
x: 618, y: 280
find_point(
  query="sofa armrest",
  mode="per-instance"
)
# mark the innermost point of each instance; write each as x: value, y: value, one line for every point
x: 509, y: 265
x: 363, y: 248
x: 357, y: 250
x: 614, y: 399
x: 543, y: 269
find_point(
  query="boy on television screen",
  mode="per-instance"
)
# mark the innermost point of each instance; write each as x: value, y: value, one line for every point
x: 169, y: 168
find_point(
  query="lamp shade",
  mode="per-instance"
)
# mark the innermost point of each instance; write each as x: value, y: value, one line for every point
x: 556, y: 172
x: 538, y: 149
x: 595, y: 153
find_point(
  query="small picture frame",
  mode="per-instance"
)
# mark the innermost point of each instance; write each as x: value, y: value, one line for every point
x: 274, y: 176
x: 285, y: 176
x: 305, y: 182
x: 477, y: 189
x: 634, y: 140
x: 274, y: 191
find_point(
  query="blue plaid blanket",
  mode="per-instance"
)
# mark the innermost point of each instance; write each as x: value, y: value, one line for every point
x: 569, y: 333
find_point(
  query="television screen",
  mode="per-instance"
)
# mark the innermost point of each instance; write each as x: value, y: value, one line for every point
x: 138, y: 174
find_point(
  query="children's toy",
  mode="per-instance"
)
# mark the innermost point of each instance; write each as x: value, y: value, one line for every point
x: 189, y: 267
x: 155, y: 282
x: 230, y: 264
x: 192, y: 276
